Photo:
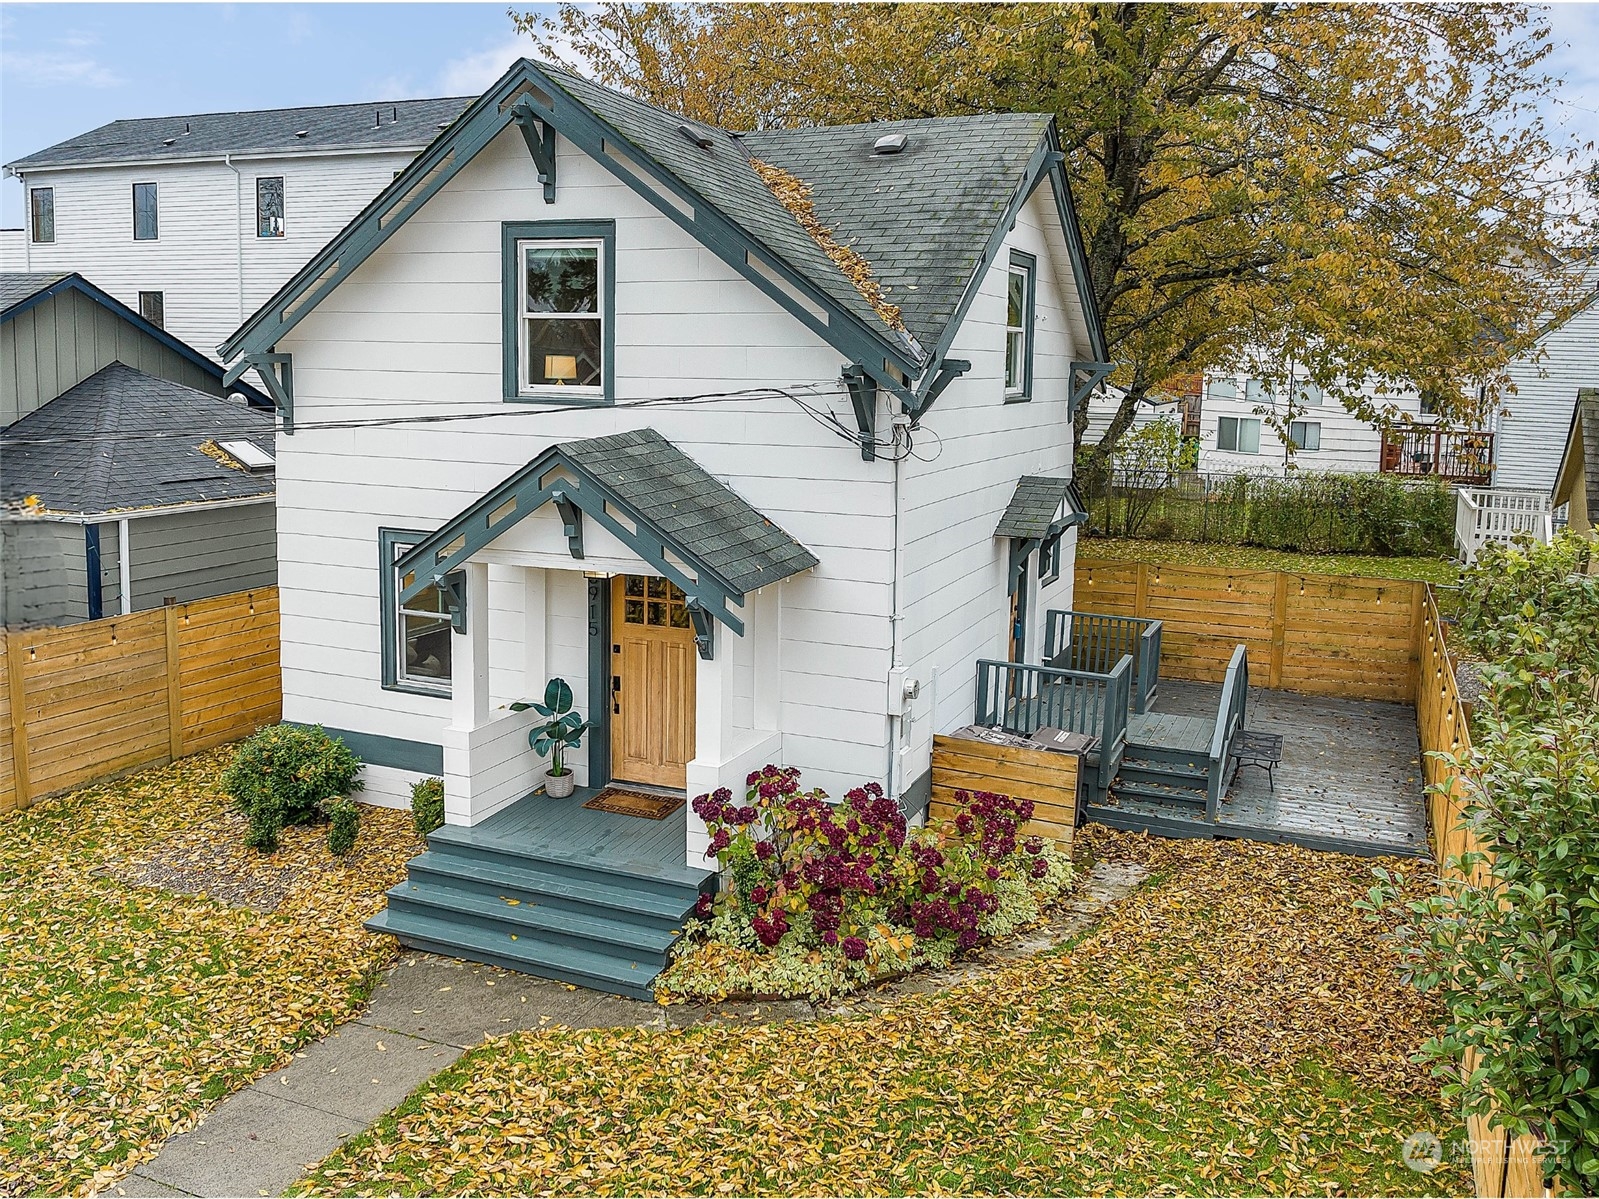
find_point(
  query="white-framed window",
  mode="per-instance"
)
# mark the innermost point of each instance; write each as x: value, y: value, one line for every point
x: 1238, y: 434
x: 560, y: 319
x: 42, y: 208
x: 153, y: 307
x: 269, y: 206
x: 1308, y: 394
x: 1306, y: 435
x: 421, y: 633
x: 1019, y: 327
x: 146, y: 213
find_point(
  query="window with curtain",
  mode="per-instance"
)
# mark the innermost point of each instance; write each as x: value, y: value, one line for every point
x: 269, y: 206
x: 42, y: 208
x: 561, y: 322
x: 146, y: 222
x: 1238, y: 434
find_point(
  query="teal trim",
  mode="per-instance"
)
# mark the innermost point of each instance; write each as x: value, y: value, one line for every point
x: 1067, y: 208
x: 512, y: 232
x: 389, y: 615
x: 374, y: 749
x: 540, y: 138
x: 600, y: 671
x: 1082, y: 379
x: 1029, y: 263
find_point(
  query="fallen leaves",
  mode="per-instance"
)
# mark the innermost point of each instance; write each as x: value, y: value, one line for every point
x: 126, y: 1010
x: 1232, y: 1027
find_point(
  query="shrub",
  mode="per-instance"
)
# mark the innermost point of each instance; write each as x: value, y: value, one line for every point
x: 345, y: 816
x: 427, y: 805
x: 282, y: 774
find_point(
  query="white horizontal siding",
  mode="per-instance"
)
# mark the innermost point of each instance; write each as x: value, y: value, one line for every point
x: 1349, y: 445
x: 1534, y: 422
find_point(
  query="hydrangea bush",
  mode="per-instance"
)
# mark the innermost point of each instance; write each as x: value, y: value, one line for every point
x: 824, y: 898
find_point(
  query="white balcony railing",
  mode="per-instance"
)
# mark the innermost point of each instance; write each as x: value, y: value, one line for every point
x: 1484, y: 514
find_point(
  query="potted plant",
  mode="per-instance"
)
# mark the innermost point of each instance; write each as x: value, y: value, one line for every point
x: 562, y: 729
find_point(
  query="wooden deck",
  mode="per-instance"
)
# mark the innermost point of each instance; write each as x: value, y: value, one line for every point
x: 1350, y: 779
x: 1171, y: 730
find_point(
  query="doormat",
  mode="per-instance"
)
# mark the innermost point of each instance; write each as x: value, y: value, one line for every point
x: 635, y: 803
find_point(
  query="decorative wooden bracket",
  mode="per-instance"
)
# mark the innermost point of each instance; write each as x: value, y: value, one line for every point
x: 540, y: 138
x: 277, y: 374
x: 571, y: 520
x: 704, y: 628
x: 453, y: 588
x: 949, y: 370
x: 863, y: 396
x: 1085, y: 376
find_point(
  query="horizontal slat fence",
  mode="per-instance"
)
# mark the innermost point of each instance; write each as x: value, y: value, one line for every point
x: 1316, y: 634
x: 1502, y: 1167
x: 1044, y: 776
x: 90, y: 700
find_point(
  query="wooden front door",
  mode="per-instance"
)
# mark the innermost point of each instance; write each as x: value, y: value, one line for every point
x: 652, y: 684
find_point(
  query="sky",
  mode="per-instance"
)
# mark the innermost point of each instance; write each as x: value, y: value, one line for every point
x: 67, y: 68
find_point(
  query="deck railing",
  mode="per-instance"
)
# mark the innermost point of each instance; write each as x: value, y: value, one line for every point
x: 1021, y: 699
x: 1456, y: 456
x: 1229, y: 722
x: 1501, y: 514
x: 1096, y: 641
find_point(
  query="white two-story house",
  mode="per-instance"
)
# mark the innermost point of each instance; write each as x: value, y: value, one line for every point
x: 760, y: 441
x: 193, y: 221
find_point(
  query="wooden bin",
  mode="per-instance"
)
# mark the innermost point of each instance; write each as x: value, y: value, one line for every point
x: 1046, y: 777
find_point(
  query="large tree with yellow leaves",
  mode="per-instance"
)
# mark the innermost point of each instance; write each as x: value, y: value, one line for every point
x: 1361, y: 195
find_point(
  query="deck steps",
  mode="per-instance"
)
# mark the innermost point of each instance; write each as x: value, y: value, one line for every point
x: 543, y: 911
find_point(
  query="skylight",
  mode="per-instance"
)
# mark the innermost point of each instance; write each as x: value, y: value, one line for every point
x: 249, y: 455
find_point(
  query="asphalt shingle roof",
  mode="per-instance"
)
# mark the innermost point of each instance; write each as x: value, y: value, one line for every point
x: 920, y: 217
x: 687, y: 505
x: 1032, y: 507
x: 123, y: 439
x: 17, y: 286
x: 404, y: 124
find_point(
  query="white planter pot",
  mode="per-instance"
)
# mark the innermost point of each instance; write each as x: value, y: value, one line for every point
x: 559, y: 786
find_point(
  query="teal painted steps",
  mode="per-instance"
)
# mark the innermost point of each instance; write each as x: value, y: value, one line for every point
x: 1163, y: 783
x: 542, y: 911
x: 1142, y: 816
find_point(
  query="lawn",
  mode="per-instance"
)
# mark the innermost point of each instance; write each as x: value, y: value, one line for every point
x: 1232, y: 1027
x: 1245, y: 557
x: 127, y: 1010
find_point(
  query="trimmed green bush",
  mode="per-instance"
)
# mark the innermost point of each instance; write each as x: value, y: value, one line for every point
x: 283, y: 774
x: 345, y: 816
x: 427, y: 805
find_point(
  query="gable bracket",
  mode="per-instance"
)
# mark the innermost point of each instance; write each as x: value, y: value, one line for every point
x: 540, y: 138
x: 1020, y: 547
x: 572, y: 520
x: 863, y: 397
x: 949, y: 370
x: 704, y: 629
x: 277, y: 374
x: 453, y: 588
x: 1086, y: 376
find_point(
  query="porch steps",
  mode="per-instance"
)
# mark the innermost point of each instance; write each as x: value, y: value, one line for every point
x: 1145, y: 816
x: 1157, y: 789
x: 542, y: 911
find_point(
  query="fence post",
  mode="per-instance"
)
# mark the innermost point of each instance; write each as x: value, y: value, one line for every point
x: 19, y: 717
x: 1141, y: 589
x: 174, y: 685
x: 1279, y: 633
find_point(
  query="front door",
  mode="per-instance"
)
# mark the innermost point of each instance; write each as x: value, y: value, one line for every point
x: 652, y: 684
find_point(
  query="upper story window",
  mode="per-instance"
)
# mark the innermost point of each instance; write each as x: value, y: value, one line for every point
x: 1238, y: 434
x: 1306, y: 435
x: 1308, y: 394
x: 269, y: 206
x: 416, y: 636
x: 1019, y: 308
x: 42, y: 209
x: 146, y: 223
x: 153, y: 307
x: 560, y: 309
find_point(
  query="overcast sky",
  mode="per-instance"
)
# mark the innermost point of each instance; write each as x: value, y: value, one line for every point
x: 67, y: 68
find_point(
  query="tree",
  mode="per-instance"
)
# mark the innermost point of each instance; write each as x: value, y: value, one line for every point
x: 1361, y: 190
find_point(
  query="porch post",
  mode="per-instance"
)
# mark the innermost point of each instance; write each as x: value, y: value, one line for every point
x: 469, y: 654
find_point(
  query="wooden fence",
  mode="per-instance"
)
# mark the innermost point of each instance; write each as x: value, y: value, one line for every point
x: 1503, y: 1167
x: 90, y: 700
x: 1044, y: 776
x: 1316, y: 634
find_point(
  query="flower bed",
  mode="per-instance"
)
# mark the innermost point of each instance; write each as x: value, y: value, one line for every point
x: 825, y: 899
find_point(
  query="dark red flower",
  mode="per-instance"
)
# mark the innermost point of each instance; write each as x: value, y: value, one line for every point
x: 854, y: 948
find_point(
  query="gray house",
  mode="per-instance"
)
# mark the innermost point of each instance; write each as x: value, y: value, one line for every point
x: 129, y: 475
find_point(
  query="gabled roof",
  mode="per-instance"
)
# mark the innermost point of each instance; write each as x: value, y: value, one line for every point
x: 714, y: 192
x: 380, y: 125
x: 123, y: 440
x: 1583, y: 440
x: 1035, y: 505
x: 20, y: 291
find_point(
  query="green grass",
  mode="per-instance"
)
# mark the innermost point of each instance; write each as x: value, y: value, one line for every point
x: 1244, y: 557
x: 1233, y: 1027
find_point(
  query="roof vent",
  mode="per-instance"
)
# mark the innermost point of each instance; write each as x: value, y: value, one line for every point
x: 890, y: 143
x: 248, y: 455
x: 301, y: 132
x: 695, y: 136
x: 445, y: 124
x: 169, y: 141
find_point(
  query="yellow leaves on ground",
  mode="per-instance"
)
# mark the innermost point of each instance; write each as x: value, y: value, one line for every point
x: 1233, y: 1027
x: 126, y: 1010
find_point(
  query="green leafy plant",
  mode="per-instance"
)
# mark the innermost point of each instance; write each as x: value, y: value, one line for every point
x: 562, y: 728
x: 427, y: 805
x: 345, y: 821
x: 282, y: 775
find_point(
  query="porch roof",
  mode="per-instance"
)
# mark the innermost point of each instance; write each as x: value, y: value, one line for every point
x: 673, y: 502
x: 1031, y: 512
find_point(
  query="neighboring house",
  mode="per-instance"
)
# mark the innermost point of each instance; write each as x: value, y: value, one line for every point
x: 1577, y: 480
x: 1105, y: 403
x: 13, y: 250
x: 595, y: 392
x: 1530, y: 428
x: 193, y: 221
x: 110, y: 503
